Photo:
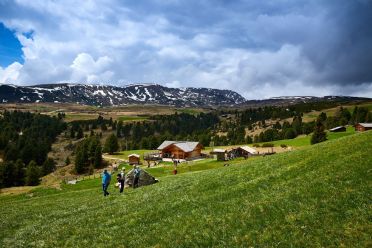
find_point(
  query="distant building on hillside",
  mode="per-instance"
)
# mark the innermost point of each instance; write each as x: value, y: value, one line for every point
x: 134, y: 159
x: 363, y: 127
x: 338, y: 129
x: 243, y: 151
x: 220, y: 153
x: 180, y: 149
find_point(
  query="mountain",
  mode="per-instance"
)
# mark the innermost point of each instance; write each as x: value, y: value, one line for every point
x: 289, y: 100
x: 104, y: 95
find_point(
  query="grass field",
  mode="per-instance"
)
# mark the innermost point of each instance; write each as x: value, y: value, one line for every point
x: 314, y: 197
x: 305, y: 140
x: 132, y: 118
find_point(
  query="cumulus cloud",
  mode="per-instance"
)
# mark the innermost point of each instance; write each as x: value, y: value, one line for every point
x: 258, y: 48
x: 10, y: 74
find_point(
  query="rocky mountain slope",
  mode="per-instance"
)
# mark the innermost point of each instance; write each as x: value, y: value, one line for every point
x: 104, y: 95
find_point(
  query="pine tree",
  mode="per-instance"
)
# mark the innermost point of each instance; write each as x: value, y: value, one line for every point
x: 98, y: 156
x: 33, y: 174
x: 319, y: 135
x: 81, y: 157
x: 67, y: 161
x: 48, y: 166
x: 80, y: 133
x: 72, y: 133
x: 111, y: 144
x: 19, y: 173
x: 7, y: 175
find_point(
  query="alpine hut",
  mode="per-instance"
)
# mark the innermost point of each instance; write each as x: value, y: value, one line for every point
x: 134, y: 159
x: 180, y: 149
x: 363, y: 127
x: 220, y: 153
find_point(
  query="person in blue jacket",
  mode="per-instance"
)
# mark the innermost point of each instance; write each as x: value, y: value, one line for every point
x: 106, y: 179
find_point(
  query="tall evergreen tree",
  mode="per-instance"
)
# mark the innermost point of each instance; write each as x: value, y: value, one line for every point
x: 80, y: 160
x: 33, y: 174
x: 111, y: 144
x: 98, y: 156
x: 319, y: 135
x: 80, y: 133
x: 48, y: 166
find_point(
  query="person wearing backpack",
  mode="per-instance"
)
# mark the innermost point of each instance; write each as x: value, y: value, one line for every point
x: 136, y: 176
x: 106, y: 179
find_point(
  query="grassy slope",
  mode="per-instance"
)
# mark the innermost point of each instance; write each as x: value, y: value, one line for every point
x: 317, y: 196
x: 304, y: 140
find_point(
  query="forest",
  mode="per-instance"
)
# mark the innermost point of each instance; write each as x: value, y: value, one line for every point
x: 25, y: 140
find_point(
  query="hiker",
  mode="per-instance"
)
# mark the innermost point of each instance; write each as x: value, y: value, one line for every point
x: 122, y: 173
x: 136, y: 175
x: 106, y: 179
x: 120, y: 180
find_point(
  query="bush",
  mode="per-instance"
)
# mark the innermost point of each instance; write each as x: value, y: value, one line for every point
x: 283, y: 145
x: 267, y: 145
x: 256, y: 145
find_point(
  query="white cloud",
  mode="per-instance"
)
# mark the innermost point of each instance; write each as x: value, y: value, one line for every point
x: 256, y: 54
x: 10, y: 74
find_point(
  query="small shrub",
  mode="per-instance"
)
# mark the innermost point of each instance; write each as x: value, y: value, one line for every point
x: 283, y: 146
x: 256, y: 145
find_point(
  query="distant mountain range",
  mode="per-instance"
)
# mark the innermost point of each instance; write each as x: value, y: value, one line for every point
x: 105, y: 95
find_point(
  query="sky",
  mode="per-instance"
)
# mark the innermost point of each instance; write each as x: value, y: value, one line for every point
x: 259, y: 49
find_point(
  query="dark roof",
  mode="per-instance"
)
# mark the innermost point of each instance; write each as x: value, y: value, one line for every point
x: 336, y: 128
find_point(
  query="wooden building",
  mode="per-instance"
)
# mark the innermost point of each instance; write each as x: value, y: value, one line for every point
x: 220, y: 153
x: 242, y: 151
x: 361, y: 127
x: 180, y: 149
x: 338, y: 129
x: 134, y: 159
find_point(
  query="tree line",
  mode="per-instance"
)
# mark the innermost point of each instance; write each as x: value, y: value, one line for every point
x: 25, y: 140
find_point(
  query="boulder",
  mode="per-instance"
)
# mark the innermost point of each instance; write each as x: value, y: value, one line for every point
x: 144, y: 179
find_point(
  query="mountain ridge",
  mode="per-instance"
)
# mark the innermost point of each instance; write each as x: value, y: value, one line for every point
x: 143, y: 93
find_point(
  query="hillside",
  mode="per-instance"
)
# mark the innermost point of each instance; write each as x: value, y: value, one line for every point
x: 317, y: 196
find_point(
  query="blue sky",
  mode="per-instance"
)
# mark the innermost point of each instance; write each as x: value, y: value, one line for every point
x: 258, y: 48
x: 10, y: 47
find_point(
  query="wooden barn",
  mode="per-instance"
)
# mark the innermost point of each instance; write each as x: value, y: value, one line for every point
x: 220, y: 153
x: 338, y: 129
x: 361, y: 127
x: 134, y: 159
x: 180, y: 149
x: 243, y: 151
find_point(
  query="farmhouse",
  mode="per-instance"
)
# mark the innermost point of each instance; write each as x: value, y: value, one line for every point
x: 180, y: 149
x: 134, y: 159
x: 338, y: 129
x: 363, y: 127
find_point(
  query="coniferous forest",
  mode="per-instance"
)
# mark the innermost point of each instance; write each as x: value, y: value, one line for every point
x: 25, y: 140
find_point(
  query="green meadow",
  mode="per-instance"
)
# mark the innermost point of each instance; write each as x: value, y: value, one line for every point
x: 318, y: 196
